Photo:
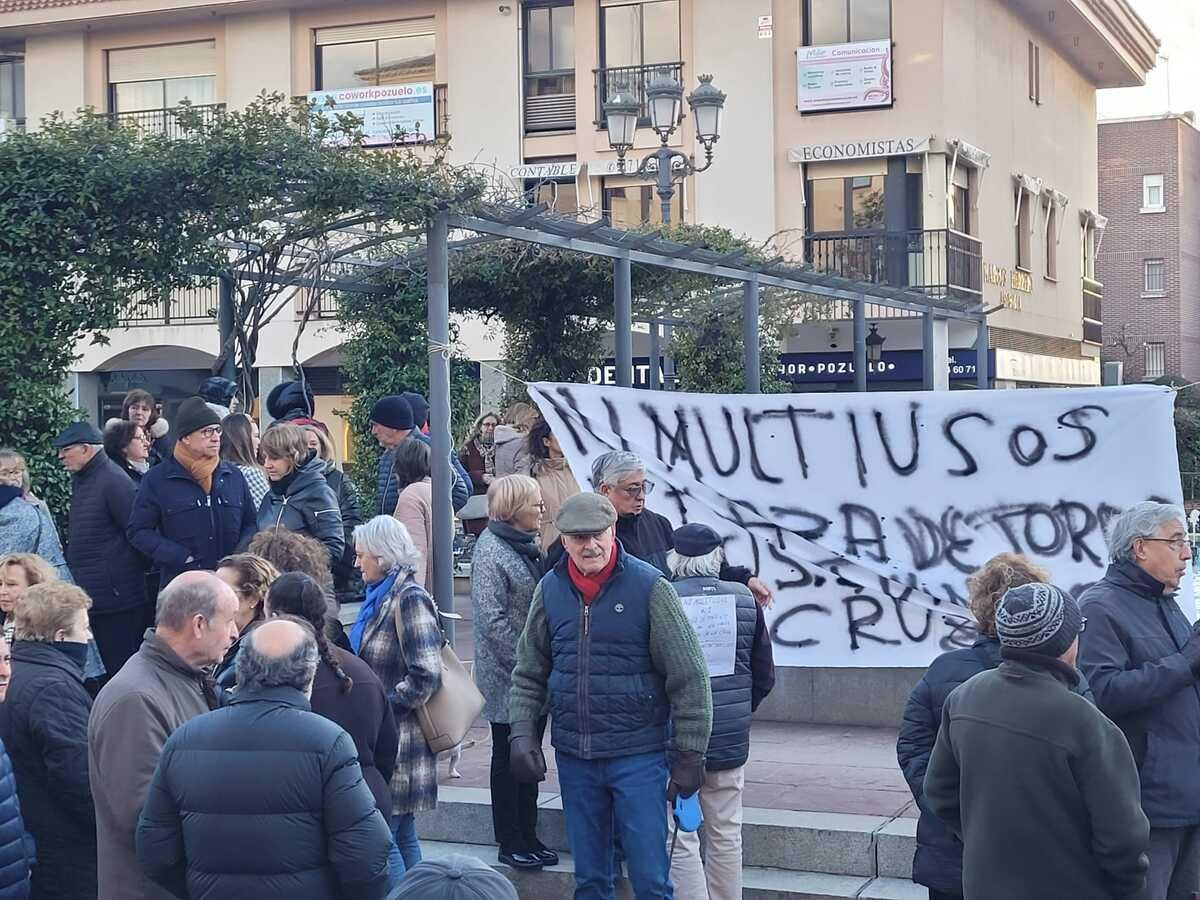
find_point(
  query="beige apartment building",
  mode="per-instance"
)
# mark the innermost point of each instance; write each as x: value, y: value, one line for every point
x: 947, y: 145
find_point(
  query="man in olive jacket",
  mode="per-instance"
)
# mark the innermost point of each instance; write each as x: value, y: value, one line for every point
x: 1038, y: 784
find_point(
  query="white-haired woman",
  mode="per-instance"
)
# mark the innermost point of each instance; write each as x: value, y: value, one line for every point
x: 397, y: 634
x: 505, y: 568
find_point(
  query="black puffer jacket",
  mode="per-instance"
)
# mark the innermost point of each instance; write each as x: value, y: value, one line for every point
x: 938, y: 861
x: 101, y: 558
x: 16, y: 845
x: 265, y: 799
x: 345, y: 574
x: 303, y: 502
x: 43, y: 723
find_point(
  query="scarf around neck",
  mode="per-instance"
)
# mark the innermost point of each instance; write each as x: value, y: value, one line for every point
x: 524, y: 543
x: 374, y: 596
x: 589, y: 586
x: 488, y: 453
x: 201, y: 468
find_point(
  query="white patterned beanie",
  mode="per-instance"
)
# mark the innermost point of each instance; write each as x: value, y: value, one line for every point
x: 1038, y: 618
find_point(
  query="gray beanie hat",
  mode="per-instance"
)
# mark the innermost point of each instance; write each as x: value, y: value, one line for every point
x: 1038, y: 618
x: 457, y: 877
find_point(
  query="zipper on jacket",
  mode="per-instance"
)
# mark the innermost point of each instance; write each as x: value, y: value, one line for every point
x: 585, y: 651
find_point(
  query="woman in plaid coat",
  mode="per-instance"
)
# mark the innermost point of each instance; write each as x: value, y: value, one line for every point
x: 398, y: 636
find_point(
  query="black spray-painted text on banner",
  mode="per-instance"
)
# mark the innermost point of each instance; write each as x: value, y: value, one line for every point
x: 867, y: 512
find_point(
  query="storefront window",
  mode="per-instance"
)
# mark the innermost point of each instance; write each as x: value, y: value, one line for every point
x: 633, y: 206
x: 559, y: 195
x: 847, y: 21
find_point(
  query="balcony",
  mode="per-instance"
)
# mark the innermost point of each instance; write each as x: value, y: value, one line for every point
x: 632, y: 80
x: 941, y: 262
x: 1093, y: 313
x: 190, y: 306
x: 167, y: 121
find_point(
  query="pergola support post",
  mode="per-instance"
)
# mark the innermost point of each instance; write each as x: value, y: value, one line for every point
x: 750, y: 339
x: 653, y: 381
x: 438, y: 324
x: 982, y: 375
x: 860, y: 343
x: 623, y: 320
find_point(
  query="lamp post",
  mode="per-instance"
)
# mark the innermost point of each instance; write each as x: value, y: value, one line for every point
x: 664, y: 97
x: 874, y: 347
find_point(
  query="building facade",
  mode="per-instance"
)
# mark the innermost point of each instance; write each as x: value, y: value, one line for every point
x: 947, y: 145
x: 1149, y: 261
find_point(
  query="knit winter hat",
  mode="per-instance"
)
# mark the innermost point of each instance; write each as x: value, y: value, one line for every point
x: 457, y: 877
x: 393, y: 411
x: 193, y: 415
x: 1038, y: 618
x: 419, y: 406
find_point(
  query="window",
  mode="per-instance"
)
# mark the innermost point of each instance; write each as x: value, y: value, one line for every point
x: 961, y: 199
x: 1035, y: 72
x: 559, y: 194
x: 12, y: 89
x: 846, y: 204
x: 846, y: 21
x: 632, y: 206
x: 1156, y: 359
x: 1024, y: 219
x: 1155, y: 281
x: 1153, y: 199
x: 549, y: 67
x: 150, y: 78
x: 639, y: 34
x: 354, y: 56
x: 1088, y: 247
x: 1052, y: 240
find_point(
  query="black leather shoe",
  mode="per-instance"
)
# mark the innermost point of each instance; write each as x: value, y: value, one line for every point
x: 547, y: 856
x: 521, y: 860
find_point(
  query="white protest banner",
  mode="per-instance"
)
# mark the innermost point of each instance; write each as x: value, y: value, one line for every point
x: 866, y: 512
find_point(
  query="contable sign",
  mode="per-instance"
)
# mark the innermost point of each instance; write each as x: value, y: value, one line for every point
x: 866, y: 513
x: 386, y: 111
x: 844, y: 76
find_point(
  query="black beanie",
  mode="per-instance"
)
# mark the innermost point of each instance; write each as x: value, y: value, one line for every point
x: 393, y: 411
x: 193, y: 415
x: 419, y: 406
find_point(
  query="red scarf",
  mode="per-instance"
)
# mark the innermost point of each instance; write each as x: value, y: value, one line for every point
x: 589, y: 585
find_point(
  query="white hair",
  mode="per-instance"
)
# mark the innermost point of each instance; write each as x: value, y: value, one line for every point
x: 614, y: 467
x: 1142, y: 520
x: 388, y: 541
x: 706, y: 566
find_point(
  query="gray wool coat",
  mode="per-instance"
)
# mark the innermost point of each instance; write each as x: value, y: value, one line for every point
x: 501, y: 590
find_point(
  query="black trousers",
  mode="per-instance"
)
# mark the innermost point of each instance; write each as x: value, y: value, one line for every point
x: 118, y: 636
x: 514, y: 805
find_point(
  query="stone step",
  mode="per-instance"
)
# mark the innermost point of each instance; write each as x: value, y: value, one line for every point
x: 759, y: 883
x: 810, y: 842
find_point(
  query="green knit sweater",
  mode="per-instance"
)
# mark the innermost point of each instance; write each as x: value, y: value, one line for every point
x: 674, y: 651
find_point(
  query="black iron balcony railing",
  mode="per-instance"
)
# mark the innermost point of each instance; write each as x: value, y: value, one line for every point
x: 631, y: 80
x: 938, y: 261
x: 1093, y: 312
x: 189, y: 306
x: 167, y: 121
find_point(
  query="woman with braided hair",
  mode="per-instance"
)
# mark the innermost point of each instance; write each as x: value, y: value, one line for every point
x: 345, y: 689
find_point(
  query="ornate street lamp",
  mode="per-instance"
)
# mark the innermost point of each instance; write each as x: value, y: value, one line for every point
x: 664, y: 98
x: 874, y: 347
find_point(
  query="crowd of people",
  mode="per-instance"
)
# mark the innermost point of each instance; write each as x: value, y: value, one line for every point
x: 179, y: 684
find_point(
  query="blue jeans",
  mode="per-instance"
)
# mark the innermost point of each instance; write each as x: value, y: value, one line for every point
x: 406, y: 850
x: 627, y: 794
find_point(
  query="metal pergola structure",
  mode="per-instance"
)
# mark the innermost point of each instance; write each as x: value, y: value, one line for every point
x: 345, y: 268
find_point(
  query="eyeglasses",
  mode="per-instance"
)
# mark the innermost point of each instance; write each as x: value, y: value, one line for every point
x: 211, y: 431
x: 645, y: 489
x: 1176, y: 544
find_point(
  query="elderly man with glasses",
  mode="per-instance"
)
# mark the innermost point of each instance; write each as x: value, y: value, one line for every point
x: 194, y: 509
x: 1142, y: 658
x: 620, y: 476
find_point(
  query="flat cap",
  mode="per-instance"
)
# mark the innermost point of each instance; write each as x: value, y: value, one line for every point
x: 585, y: 514
x: 696, y: 540
x: 78, y: 433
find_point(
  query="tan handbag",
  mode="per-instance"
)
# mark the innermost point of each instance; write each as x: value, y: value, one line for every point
x: 447, y: 716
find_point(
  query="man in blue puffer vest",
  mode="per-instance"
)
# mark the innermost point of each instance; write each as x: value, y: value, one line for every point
x: 742, y: 670
x: 606, y: 638
x: 17, y: 852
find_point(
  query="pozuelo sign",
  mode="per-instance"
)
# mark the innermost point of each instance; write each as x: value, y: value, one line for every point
x: 867, y: 512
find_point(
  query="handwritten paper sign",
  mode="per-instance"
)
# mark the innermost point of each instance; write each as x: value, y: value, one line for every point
x: 867, y: 512
x: 714, y: 619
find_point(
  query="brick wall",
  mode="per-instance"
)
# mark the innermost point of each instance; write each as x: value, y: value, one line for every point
x: 1128, y: 151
